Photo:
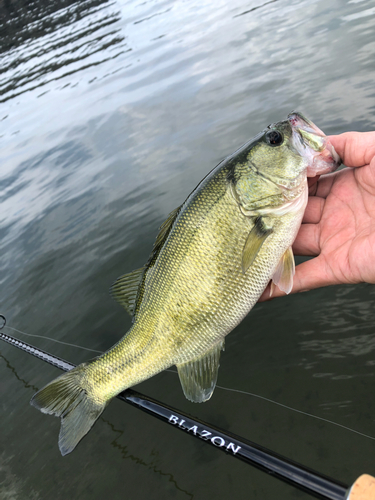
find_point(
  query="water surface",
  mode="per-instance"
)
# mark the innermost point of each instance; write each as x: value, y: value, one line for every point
x: 111, y: 112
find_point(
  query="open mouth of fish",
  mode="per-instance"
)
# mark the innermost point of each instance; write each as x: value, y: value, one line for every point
x: 309, y: 141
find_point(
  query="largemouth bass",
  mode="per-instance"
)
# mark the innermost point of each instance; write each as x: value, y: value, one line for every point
x: 213, y: 258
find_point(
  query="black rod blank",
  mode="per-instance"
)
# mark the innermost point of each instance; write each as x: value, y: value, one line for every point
x: 301, y: 477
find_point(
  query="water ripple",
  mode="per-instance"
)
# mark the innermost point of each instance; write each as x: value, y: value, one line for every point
x: 49, y: 44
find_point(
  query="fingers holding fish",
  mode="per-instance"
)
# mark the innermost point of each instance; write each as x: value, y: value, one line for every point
x: 355, y: 148
x: 314, y: 273
x: 339, y: 204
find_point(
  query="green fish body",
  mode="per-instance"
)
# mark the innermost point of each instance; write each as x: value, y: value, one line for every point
x: 212, y: 259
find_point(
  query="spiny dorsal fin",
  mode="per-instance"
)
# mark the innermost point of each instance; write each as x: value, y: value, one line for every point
x: 198, y: 377
x: 125, y: 289
x: 128, y: 289
x: 285, y: 270
x: 164, y: 229
x: 255, y: 240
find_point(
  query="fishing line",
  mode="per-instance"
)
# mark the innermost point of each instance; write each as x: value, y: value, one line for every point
x: 287, y: 407
x: 217, y: 386
x: 298, y: 411
x: 49, y: 338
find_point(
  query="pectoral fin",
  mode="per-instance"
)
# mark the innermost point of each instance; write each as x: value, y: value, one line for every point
x: 198, y: 377
x: 284, y: 273
x: 125, y: 289
x: 254, y: 242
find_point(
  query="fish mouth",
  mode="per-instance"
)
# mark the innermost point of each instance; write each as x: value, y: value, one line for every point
x: 310, y: 142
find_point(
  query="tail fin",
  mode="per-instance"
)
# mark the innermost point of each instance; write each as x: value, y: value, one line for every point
x: 66, y: 398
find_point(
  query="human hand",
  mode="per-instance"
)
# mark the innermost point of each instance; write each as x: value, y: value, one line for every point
x: 338, y: 227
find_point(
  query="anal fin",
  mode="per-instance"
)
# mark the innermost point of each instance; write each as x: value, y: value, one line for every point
x: 198, y: 377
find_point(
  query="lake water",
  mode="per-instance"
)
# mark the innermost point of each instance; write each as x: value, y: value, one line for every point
x: 110, y: 114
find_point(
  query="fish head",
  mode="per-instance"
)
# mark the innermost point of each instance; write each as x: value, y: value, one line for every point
x: 270, y: 172
x: 272, y: 162
x: 293, y: 148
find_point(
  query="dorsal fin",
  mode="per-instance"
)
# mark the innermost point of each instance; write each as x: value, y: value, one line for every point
x: 198, y: 377
x: 125, y: 289
x: 128, y: 289
x: 164, y: 230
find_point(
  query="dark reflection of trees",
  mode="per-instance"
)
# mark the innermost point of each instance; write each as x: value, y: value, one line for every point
x: 44, y: 40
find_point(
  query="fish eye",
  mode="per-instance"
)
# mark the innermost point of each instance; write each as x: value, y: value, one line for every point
x: 274, y: 138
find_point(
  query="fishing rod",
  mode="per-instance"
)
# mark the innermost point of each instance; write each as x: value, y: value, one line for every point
x: 301, y: 477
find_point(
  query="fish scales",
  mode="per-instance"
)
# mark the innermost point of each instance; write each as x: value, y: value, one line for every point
x: 212, y: 260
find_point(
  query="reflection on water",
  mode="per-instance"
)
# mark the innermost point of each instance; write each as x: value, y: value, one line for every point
x: 49, y: 40
x: 353, y: 346
x: 110, y: 113
x: 341, y: 322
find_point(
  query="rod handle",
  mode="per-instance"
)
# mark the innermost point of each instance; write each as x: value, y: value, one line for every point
x: 363, y: 488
